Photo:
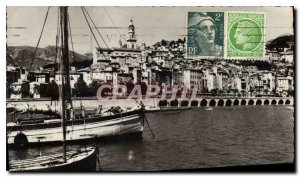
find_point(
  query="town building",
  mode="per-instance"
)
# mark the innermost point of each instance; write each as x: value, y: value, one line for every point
x: 284, y: 84
x: 193, y: 78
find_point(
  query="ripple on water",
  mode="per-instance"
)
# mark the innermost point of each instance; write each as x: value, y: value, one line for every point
x: 226, y: 136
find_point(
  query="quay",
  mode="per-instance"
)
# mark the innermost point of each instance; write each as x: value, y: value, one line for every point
x: 157, y: 101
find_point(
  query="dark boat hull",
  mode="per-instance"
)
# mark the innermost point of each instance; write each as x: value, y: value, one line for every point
x: 86, y: 164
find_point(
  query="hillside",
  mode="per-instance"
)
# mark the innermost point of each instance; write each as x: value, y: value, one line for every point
x: 45, y: 57
x: 280, y: 42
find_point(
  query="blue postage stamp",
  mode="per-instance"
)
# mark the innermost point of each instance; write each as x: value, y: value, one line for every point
x: 205, y: 34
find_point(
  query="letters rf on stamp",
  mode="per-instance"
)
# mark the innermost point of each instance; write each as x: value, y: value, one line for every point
x: 205, y: 34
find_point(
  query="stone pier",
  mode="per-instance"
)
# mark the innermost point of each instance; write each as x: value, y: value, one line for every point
x: 152, y: 102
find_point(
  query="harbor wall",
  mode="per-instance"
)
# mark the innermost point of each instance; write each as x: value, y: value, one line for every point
x: 152, y: 102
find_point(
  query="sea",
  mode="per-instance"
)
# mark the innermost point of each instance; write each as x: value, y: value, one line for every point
x: 196, y: 139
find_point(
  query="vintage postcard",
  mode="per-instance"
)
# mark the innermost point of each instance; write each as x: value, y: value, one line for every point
x: 150, y: 89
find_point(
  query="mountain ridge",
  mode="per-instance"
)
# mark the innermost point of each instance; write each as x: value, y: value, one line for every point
x: 22, y: 56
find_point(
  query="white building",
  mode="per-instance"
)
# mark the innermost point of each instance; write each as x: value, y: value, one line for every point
x: 237, y: 83
x: 268, y: 80
x: 74, y: 76
x: 284, y: 84
x: 287, y: 56
x: 273, y: 56
x: 103, y: 75
x: 124, y: 54
x: 86, y: 75
x: 16, y: 89
x: 33, y: 89
x: 209, y: 81
x: 192, y: 78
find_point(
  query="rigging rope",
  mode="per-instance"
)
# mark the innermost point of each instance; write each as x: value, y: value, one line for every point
x: 73, y: 55
x: 39, y: 39
x: 91, y: 30
x: 56, y: 57
x: 8, y: 16
x: 95, y: 27
x: 71, y: 39
x: 112, y: 21
x: 57, y: 42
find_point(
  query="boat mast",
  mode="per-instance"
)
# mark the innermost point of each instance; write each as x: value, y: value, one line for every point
x: 65, y: 74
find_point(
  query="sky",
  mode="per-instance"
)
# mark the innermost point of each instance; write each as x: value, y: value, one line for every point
x: 152, y: 24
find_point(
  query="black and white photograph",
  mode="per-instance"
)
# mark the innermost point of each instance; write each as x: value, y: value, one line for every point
x: 116, y: 89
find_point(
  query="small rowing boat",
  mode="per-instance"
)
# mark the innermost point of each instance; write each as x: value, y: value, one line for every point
x: 165, y: 109
x: 209, y: 109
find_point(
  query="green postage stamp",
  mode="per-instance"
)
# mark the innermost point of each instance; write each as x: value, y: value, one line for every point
x: 245, y: 35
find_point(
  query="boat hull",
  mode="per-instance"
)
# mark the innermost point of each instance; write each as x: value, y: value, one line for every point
x: 88, y: 129
x: 167, y: 109
x: 80, y: 164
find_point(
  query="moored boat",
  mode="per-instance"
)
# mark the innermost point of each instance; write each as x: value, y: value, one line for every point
x: 208, y: 109
x: 78, y: 126
x: 81, y: 160
x: 94, y: 126
x: 165, y: 109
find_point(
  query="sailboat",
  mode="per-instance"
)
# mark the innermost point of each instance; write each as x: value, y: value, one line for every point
x: 81, y: 160
x: 78, y: 126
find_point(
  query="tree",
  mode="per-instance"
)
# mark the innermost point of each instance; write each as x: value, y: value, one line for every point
x: 106, y: 91
x: 252, y: 89
x: 228, y: 91
x: 290, y: 92
x: 179, y: 91
x: 92, y: 90
x: 8, y: 90
x: 80, y: 88
x: 205, y: 90
x: 172, y: 43
x: 163, y: 42
x: 214, y: 91
x: 143, y: 87
x: 235, y: 91
x: 243, y: 93
x: 25, y: 90
x: 53, y: 91
x: 266, y: 91
x: 221, y: 92
x: 273, y: 91
x: 129, y: 85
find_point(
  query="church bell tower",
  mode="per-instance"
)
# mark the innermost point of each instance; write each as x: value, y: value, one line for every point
x: 131, y: 41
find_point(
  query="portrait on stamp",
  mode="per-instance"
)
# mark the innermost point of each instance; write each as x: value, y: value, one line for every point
x: 245, y: 35
x: 205, y: 34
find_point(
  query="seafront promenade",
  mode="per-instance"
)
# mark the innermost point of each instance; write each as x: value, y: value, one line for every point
x: 93, y: 102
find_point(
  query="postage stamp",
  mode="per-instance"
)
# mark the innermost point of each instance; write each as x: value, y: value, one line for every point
x: 245, y: 37
x: 205, y: 34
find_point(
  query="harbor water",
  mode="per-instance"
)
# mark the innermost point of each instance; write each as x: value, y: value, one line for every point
x: 198, y: 138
